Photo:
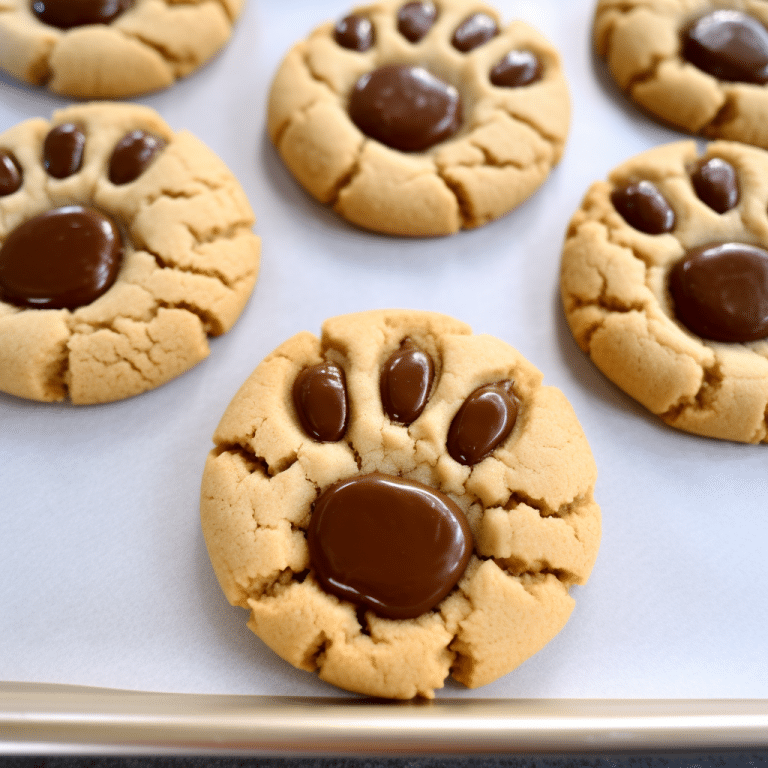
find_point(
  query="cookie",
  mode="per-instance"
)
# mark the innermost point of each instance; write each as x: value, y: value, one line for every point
x: 103, y: 49
x: 665, y: 285
x: 420, y: 118
x: 700, y: 65
x: 123, y: 246
x: 400, y: 500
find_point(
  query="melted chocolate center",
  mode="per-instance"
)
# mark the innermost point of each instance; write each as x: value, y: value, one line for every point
x: 473, y: 32
x: 729, y: 45
x: 414, y: 20
x: 405, y: 382
x: 516, y: 69
x: 10, y: 173
x: 76, y: 13
x: 716, y: 184
x: 483, y: 422
x: 720, y: 292
x: 63, y: 150
x: 62, y: 259
x: 133, y: 155
x: 643, y: 207
x: 405, y: 107
x: 354, y: 32
x: 320, y: 399
x: 392, y: 545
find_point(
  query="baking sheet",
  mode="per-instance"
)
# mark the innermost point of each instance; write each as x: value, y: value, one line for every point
x: 104, y: 577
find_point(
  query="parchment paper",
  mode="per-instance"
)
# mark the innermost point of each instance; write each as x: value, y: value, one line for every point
x: 104, y: 576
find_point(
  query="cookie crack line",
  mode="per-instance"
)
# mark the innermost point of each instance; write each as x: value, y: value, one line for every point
x: 231, y: 283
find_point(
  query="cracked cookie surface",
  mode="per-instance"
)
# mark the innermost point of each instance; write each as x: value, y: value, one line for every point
x: 340, y: 459
x: 95, y: 49
x: 664, y: 282
x: 420, y: 118
x: 123, y: 246
x: 700, y: 65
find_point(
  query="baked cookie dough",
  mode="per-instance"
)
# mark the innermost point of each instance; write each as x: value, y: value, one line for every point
x: 123, y: 245
x: 400, y: 500
x: 103, y: 49
x: 665, y: 285
x: 420, y: 118
x: 700, y: 65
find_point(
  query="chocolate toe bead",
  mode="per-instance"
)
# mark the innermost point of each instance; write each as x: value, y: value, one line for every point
x: 132, y: 156
x: 75, y: 13
x: 63, y: 150
x: 320, y: 399
x: 414, y: 20
x: 483, y: 422
x: 716, y: 184
x: 10, y: 173
x: 729, y: 45
x: 516, y: 69
x: 405, y: 383
x: 643, y: 207
x: 354, y: 32
x: 405, y: 107
x: 388, y: 544
x: 62, y: 259
x: 720, y: 292
x: 473, y: 32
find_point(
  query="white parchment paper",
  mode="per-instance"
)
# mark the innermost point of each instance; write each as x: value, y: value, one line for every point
x: 104, y: 576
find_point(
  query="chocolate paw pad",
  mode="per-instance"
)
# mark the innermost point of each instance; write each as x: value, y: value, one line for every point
x: 105, y: 49
x: 122, y: 247
x: 420, y: 118
x: 665, y: 285
x: 400, y: 489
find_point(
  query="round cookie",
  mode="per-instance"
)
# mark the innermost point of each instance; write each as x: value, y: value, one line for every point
x: 102, y: 49
x: 700, y: 65
x: 665, y: 285
x: 123, y: 245
x: 400, y: 500
x: 420, y: 118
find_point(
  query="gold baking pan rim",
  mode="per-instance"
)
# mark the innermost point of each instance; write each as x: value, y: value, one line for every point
x: 55, y: 719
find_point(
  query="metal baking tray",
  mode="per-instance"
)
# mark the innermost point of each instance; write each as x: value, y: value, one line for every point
x: 116, y: 637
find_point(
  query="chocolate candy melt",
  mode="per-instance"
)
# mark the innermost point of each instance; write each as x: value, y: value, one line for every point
x: 483, y: 422
x: 405, y: 383
x: 10, y: 173
x: 389, y: 544
x: 414, y: 20
x: 716, y: 184
x: 75, y: 13
x: 720, y: 292
x: 62, y: 259
x: 474, y: 32
x: 643, y: 207
x: 63, y: 150
x: 354, y: 32
x: 133, y: 155
x: 729, y: 45
x: 320, y: 399
x: 516, y: 69
x: 405, y: 107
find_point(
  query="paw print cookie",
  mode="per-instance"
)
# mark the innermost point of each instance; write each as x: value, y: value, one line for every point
x: 103, y: 49
x: 123, y: 246
x: 420, y: 118
x: 665, y: 285
x: 700, y: 65
x: 398, y: 501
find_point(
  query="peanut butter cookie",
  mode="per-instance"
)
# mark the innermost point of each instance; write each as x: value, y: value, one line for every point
x: 123, y: 245
x: 665, y: 285
x: 420, y: 118
x: 99, y: 49
x: 400, y: 500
